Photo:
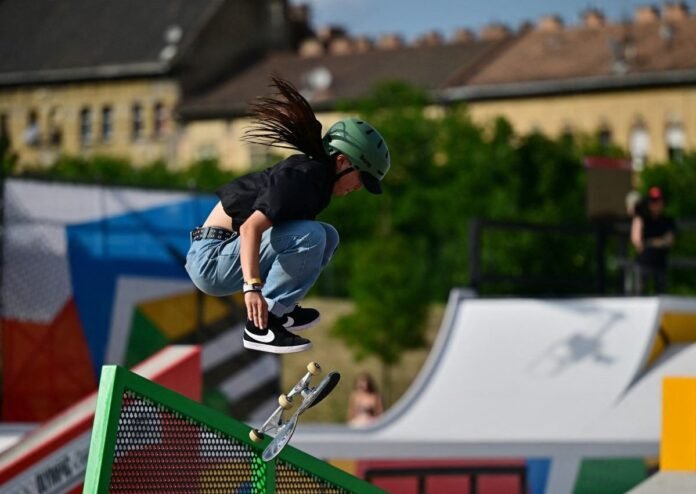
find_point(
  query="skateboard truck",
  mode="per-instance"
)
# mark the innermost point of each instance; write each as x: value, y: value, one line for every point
x: 283, y: 430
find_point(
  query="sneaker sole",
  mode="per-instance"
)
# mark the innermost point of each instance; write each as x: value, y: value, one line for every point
x: 296, y: 329
x: 261, y: 347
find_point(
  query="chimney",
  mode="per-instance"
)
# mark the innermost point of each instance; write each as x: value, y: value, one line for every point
x: 390, y: 42
x: 495, y: 32
x: 463, y: 35
x: 675, y: 12
x: 550, y: 24
x: 341, y: 46
x: 433, y: 38
x: 310, y: 48
x: 525, y: 27
x: 362, y: 44
x: 326, y: 34
x: 593, y: 19
x: 646, y: 14
x: 299, y: 13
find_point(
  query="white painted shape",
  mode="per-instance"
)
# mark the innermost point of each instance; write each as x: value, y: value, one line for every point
x: 60, y: 203
x: 248, y: 378
x: 531, y: 370
x: 638, y: 414
x: 36, y: 279
x: 563, y: 473
x: 667, y: 483
x: 130, y: 292
x: 223, y: 347
x: 263, y: 411
x: 37, y: 275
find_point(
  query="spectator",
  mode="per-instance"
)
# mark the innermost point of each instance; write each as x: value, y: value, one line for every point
x: 652, y: 235
x: 365, y: 402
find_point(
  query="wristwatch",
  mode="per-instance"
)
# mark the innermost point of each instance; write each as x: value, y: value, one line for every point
x: 252, y: 285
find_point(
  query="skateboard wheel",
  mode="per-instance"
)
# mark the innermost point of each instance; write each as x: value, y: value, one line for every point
x: 256, y: 436
x: 285, y: 402
x: 314, y: 368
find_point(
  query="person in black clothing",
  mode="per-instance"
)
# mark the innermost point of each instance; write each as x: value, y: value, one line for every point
x: 652, y: 234
x: 262, y: 237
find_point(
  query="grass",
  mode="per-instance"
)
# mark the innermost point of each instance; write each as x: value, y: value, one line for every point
x: 333, y: 354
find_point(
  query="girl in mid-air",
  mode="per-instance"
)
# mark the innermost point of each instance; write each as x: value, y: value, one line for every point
x: 262, y: 236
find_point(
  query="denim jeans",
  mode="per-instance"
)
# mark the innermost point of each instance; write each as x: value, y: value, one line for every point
x: 292, y: 254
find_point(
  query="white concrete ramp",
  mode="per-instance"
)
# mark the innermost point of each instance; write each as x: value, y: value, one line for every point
x: 562, y: 379
x: 528, y: 370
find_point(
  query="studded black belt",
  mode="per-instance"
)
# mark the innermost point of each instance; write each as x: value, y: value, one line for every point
x: 211, y: 232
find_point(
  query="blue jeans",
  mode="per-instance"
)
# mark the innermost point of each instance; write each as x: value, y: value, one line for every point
x: 292, y: 254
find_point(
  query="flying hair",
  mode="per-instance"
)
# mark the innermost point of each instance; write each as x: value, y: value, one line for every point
x: 285, y: 120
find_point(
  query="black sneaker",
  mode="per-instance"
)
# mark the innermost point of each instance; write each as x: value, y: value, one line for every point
x: 275, y: 339
x: 300, y: 318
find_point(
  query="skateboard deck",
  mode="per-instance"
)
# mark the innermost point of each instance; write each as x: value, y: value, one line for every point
x: 282, y: 430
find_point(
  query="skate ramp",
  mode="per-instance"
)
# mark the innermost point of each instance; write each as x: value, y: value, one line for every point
x: 523, y: 377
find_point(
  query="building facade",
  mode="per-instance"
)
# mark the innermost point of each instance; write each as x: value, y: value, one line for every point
x: 630, y: 84
x: 85, y: 78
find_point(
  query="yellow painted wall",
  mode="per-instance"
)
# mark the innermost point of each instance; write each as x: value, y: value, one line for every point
x: 67, y: 101
x: 678, y: 445
x: 586, y: 113
x: 223, y: 139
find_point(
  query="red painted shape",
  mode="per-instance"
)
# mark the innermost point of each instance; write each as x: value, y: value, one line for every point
x: 46, y: 367
x: 183, y: 375
x: 486, y: 484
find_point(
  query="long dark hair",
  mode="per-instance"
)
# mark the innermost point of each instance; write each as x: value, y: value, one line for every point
x: 285, y: 120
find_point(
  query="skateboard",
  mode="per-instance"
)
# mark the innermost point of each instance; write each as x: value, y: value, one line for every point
x: 282, y: 430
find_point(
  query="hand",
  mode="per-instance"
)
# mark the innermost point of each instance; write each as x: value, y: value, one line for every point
x: 257, y: 309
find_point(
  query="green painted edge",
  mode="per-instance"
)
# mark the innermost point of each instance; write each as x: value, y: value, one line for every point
x: 270, y: 477
x: 228, y: 426
x: 104, y: 429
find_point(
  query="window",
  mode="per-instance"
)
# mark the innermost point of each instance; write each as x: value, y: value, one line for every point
x: 567, y: 135
x: 86, y: 127
x: 159, y: 119
x: 55, y: 128
x: 107, y: 123
x: 639, y: 145
x: 207, y: 151
x: 32, y: 136
x: 675, y: 137
x: 137, y: 121
x: 604, y: 137
x: 4, y: 127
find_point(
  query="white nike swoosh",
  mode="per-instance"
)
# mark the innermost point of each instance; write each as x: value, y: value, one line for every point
x: 266, y: 338
x: 289, y: 323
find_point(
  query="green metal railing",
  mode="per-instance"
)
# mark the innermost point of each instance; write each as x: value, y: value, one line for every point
x: 148, y: 438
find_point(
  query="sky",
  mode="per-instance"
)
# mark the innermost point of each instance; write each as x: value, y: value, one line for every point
x: 411, y: 18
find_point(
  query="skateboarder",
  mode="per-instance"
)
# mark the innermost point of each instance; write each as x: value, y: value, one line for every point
x: 262, y: 236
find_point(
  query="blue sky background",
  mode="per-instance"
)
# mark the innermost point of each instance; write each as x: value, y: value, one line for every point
x: 411, y: 18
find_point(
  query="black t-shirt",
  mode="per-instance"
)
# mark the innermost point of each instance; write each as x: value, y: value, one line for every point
x: 655, y: 228
x: 297, y: 188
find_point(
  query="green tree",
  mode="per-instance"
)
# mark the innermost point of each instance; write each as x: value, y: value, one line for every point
x: 391, y: 305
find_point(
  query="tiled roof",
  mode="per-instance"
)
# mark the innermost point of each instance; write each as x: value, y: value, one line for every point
x: 57, y: 39
x: 606, y: 54
x: 352, y: 75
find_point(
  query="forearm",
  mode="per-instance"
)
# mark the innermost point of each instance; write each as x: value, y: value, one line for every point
x: 250, y: 243
x: 249, y: 254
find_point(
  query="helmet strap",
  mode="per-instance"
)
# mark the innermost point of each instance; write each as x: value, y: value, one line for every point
x: 343, y: 173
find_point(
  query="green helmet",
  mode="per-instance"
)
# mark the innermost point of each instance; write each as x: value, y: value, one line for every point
x: 364, y: 146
